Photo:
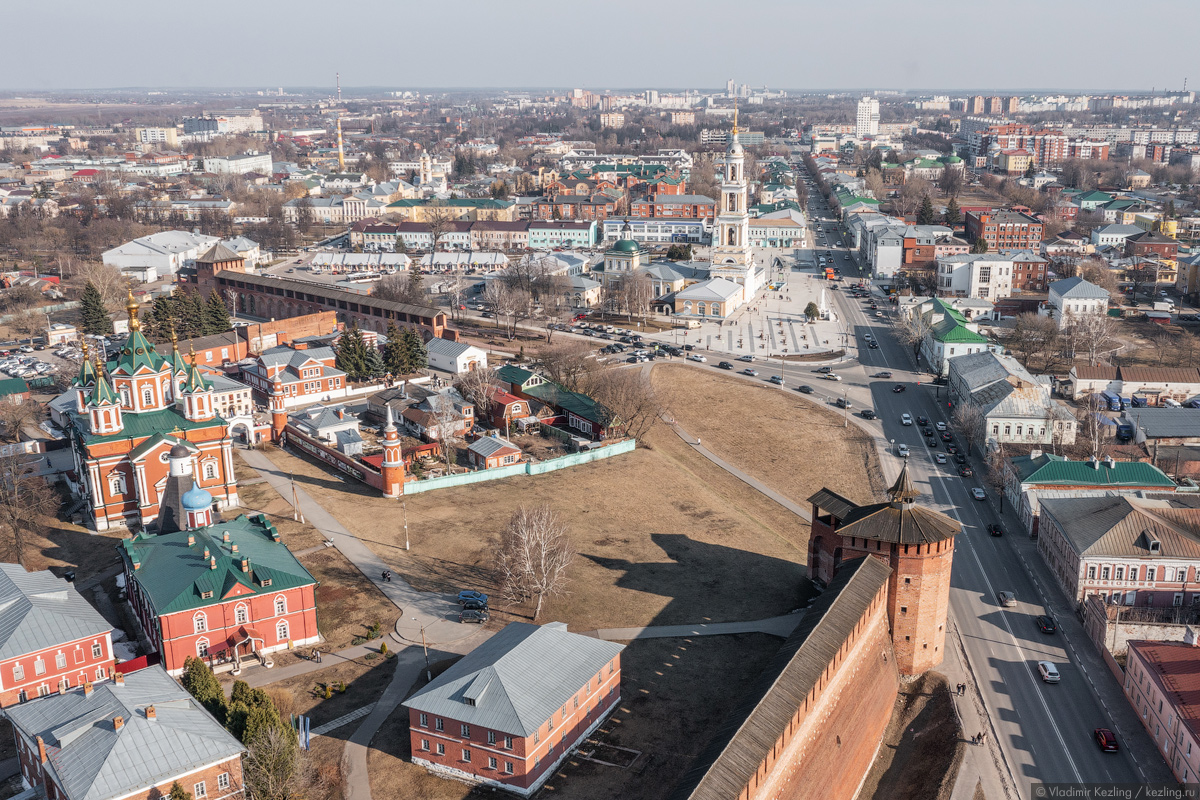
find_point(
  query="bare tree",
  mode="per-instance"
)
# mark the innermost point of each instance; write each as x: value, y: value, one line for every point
x: 1092, y: 430
x: 1033, y: 334
x: 517, y: 308
x: 480, y: 386
x: 636, y: 293
x: 1097, y: 271
x: 628, y: 397
x: 456, y: 291
x: 275, y: 768
x: 950, y: 183
x: 873, y: 181
x: 568, y: 363
x: 556, y: 304
x: 438, y: 218
x: 401, y: 287
x: 25, y: 499
x: 911, y: 329
x: 970, y: 423
x: 534, y: 555
x: 15, y: 414
x: 496, y: 296
x: 109, y: 280
x: 1091, y: 333
x: 448, y: 421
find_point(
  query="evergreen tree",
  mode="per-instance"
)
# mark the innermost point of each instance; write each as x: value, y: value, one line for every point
x: 261, y: 717
x: 189, y: 315
x: 979, y: 246
x: 952, y: 215
x: 179, y: 793
x: 375, y: 366
x: 812, y: 312
x: 202, y: 685
x: 241, y: 693
x: 94, y: 315
x: 352, y: 354
x: 157, y: 320
x: 414, y: 345
x: 925, y: 215
x: 1169, y: 211
x: 216, y: 314
x: 395, y: 354
x: 1030, y: 171
x: 235, y: 719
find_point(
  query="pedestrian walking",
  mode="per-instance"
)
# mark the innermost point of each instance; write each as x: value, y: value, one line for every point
x: 982, y: 737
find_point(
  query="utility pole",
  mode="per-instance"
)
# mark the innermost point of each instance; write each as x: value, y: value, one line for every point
x: 404, y: 506
x: 297, y: 514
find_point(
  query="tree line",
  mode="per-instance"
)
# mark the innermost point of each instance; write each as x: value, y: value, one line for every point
x: 403, y: 354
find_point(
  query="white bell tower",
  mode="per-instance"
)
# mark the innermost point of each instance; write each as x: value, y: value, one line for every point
x: 732, y: 257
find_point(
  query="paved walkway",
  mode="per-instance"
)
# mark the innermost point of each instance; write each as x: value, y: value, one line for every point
x: 258, y: 676
x: 343, y: 720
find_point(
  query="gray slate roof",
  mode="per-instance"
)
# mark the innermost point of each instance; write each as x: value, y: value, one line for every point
x: 446, y: 348
x: 38, y: 610
x: 489, y: 445
x: 92, y: 761
x: 518, y: 678
x: 1162, y: 423
x: 1124, y: 526
x: 1078, y: 289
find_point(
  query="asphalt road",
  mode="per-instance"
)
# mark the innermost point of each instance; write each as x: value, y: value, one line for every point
x: 1044, y: 730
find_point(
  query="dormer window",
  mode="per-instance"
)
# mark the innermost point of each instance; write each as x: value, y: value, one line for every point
x: 1155, y: 546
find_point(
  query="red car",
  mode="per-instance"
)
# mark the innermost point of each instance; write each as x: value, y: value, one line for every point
x: 1106, y: 739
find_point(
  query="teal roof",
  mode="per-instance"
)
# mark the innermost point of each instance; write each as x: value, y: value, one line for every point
x: 514, y: 375
x: 155, y: 440
x: 195, y: 380
x: 136, y: 353
x: 1057, y: 470
x: 148, y: 423
x: 949, y: 331
x: 103, y: 394
x: 625, y: 246
x: 578, y: 404
x: 459, y: 202
x: 175, y: 576
x: 176, y: 360
x: 87, y: 373
x: 13, y: 386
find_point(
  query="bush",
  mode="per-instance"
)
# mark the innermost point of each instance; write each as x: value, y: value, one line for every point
x: 383, y: 648
x: 328, y: 691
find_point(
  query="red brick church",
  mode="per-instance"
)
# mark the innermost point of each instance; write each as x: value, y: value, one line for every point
x: 128, y: 415
x: 915, y: 542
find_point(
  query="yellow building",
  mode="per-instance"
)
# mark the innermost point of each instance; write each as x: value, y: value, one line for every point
x: 463, y: 208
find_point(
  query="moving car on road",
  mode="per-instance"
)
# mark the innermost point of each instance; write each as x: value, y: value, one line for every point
x: 941, y: 426
x: 1106, y: 740
x: 868, y: 414
x: 939, y: 458
x: 777, y: 380
x: 745, y: 358
x: 697, y: 357
x: 976, y: 492
x: 725, y: 365
x: 930, y: 441
x: 902, y: 450
x: 1048, y: 671
x: 832, y: 376
x: 1046, y: 624
x: 1007, y: 599
x: 906, y: 419
x: 753, y: 373
x: 994, y: 529
x: 804, y: 389
x: 898, y: 388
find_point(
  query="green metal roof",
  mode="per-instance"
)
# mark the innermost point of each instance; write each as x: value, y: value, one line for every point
x: 148, y: 423
x: 195, y: 380
x: 13, y: 386
x: 578, y: 404
x: 136, y: 353
x: 1057, y: 470
x: 517, y: 376
x: 87, y: 373
x: 103, y: 394
x: 176, y: 576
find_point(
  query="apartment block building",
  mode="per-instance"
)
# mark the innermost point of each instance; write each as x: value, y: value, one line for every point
x: 1005, y: 230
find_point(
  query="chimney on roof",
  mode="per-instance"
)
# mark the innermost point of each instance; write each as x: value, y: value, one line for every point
x: 245, y: 565
x: 87, y: 689
x: 206, y: 552
x: 1094, y: 463
x: 233, y: 547
x: 191, y: 539
x: 62, y: 688
x: 118, y: 723
x: 119, y: 679
x: 212, y: 563
x: 1109, y: 462
x: 42, y: 750
x: 225, y: 537
x: 151, y: 713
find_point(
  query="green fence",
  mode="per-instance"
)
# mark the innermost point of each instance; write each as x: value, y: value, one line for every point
x: 526, y: 468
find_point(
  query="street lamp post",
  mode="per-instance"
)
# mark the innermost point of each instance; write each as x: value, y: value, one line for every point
x: 428, y: 673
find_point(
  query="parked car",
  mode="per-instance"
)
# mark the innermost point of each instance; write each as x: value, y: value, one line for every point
x: 478, y: 616
x: 994, y: 529
x: 474, y: 605
x: 470, y: 594
x: 1048, y: 672
x: 1007, y: 599
x: 1106, y: 740
x: 689, y: 347
x: 1046, y: 624
x: 725, y: 365
x: 697, y: 357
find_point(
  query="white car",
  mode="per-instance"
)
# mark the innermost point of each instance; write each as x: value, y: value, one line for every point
x: 902, y: 450
x: 941, y: 426
x: 906, y: 419
x: 697, y: 357
x: 832, y: 376
x: 978, y: 493
x: 879, y: 313
x: 1048, y: 671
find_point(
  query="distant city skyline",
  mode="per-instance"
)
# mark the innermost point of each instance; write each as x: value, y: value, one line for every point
x: 945, y: 45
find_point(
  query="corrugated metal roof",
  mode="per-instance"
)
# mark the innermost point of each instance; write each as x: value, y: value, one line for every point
x: 490, y: 445
x: 1088, y: 373
x: 447, y: 348
x: 517, y: 679
x: 1160, y: 374
x: 92, y: 761
x: 1057, y: 470
x: 1177, y: 665
x: 39, y: 610
x: 1125, y: 526
x: 724, y: 768
x: 1166, y: 423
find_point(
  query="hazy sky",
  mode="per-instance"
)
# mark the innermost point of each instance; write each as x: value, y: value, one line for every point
x: 801, y: 44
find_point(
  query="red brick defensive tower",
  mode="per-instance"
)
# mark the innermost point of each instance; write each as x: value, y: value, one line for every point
x: 393, y: 461
x: 918, y: 545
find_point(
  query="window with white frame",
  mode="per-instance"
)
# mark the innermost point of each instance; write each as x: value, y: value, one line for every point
x: 18, y: 672
x: 199, y: 622
x: 281, y: 630
x: 147, y: 396
x: 101, y: 673
x: 39, y: 666
x: 210, y: 469
x: 199, y: 790
x: 202, y: 648
x: 97, y: 650
x: 223, y: 781
x: 280, y: 606
x: 241, y: 615
x: 60, y: 660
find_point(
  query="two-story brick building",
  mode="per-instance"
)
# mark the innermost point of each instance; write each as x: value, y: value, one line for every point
x: 131, y: 738
x: 223, y: 592
x: 1151, y: 244
x: 1133, y: 551
x: 512, y: 709
x: 1005, y: 230
x: 306, y: 376
x: 675, y: 206
x: 51, y: 639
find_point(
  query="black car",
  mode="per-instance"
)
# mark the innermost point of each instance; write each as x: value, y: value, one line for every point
x: 959, y: 458
x: 927, y: 431
x: 951, y: 447
x: 873, y: 345
x: 867, y: 413
x: 725, y: 365
x: 898, y: 388
x: 965, y: 471
x: 946, y: 436
x: 1046, y: 624
x: 803, y: 389
x: 689, y: 347
x: 994, y: 529
x: 475, y: 605
x: 931, y: 442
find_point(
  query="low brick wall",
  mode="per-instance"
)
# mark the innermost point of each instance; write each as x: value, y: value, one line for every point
x: 322, y: 452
